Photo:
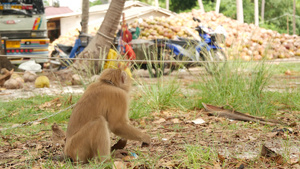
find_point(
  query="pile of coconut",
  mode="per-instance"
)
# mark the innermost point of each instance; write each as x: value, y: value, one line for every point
x: 243, y: 40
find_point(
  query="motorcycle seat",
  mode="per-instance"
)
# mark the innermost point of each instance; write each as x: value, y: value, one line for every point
x: 65, y: 48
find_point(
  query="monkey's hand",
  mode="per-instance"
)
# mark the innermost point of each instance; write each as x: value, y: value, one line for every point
x: 146, y: 141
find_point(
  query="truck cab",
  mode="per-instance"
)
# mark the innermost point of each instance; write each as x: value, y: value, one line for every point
x: 23, y: 28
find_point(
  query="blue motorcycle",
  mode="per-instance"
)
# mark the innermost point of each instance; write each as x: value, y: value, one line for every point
x: 207, y: 50
x: 65, y: 51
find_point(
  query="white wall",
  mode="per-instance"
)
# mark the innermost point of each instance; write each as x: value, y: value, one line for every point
x: 69, y: 23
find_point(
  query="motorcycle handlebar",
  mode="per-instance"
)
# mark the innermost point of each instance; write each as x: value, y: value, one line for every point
x: 196, y: 19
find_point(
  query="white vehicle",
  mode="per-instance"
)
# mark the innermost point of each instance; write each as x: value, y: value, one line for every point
x: 23, y: 28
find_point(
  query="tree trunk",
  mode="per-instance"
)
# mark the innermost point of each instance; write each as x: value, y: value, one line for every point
x: 167, y: 4
x: 4, y: 62
x: 239, y: 11
x: 218, y: 6
x: 201, y: 5
x: 287, y: 24
x: 256, y: 13
x: 294, y: 17
x: 262, y: 10
x: 85, y: 16
x: 99, y: 46
x: 156, y: 4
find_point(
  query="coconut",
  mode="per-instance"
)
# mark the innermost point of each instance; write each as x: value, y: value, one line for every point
x: 29, y: 76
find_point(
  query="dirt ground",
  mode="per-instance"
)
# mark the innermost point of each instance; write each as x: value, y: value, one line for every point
x: 230, y: 143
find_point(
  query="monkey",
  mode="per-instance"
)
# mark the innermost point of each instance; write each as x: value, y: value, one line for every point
x: 103, y: 108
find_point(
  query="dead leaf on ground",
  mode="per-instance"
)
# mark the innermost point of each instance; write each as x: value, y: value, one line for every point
x: 36, y: 123
x: 161, y: 120
x: 217, y: 166
x: 119, y: 165
x: 53, y: 103
x: 221, y: 158
x: 175, y: 120
x: 272, y: 155
x: 198, y: 121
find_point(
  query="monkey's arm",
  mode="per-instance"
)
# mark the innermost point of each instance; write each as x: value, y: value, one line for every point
x: 119, y: 123
x: 125, y: 130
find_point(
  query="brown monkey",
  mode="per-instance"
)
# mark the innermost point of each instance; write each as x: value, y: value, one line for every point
x: 102, y: 108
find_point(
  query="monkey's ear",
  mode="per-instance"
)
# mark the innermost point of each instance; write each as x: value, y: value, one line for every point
x: 123, y: 77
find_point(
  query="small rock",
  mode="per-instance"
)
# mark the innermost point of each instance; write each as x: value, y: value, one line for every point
x: 29, y: 76
x: 76, y: 80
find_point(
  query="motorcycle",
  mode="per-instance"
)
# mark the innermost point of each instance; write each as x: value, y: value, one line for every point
x: 65, y: 51
x: 207, y: 50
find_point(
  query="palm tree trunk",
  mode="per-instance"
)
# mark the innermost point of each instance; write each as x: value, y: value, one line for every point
x: 85, y: 16
x: 167, y: 4
x: 294, y: 17
x: 218, y: 6
x: 239, y: 11
x: 201, y: 6
x: 156, y: 4
x: 262, y: 10
x: 256, y: 20
x: 101, y: 43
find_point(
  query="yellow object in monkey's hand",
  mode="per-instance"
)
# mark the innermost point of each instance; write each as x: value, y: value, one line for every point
x: 42, y: 81
x: 112, y: 54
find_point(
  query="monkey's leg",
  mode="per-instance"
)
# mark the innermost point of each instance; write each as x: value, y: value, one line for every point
x: 92, y: 140
x: 127, y: 131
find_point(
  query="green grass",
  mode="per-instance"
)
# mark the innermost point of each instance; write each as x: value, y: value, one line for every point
x: 24, y: 110
x: 281, y: 68
x: 240, y: 86
x: 198, y: 156
x: 162, y: 95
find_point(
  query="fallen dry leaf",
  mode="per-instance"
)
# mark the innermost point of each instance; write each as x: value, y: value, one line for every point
x: 54, y: 102
x: 271, y: 134
x: 161, y: 120
x: 217, y: 166
x: 198, y: 121
x: 272, y: 155
x: 296, y: 166
x: 119, y: 165
x: 128, y: 158
x: 175, y: 120
x: 36, y: 123
x: 221, y: 158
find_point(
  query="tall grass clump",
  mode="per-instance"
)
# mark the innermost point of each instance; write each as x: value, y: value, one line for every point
x: 239, y: 85
x: 161, y: 95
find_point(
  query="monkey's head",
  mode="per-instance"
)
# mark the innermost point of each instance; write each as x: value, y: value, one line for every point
x: 116, y: 77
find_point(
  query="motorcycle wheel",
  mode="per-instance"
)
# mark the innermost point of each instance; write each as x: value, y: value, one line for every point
x: 216, y: 61
x: 161, y: 68
x: 55, y: 64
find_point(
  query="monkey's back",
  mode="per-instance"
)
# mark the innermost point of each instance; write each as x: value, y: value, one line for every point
x: 94, y: 103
